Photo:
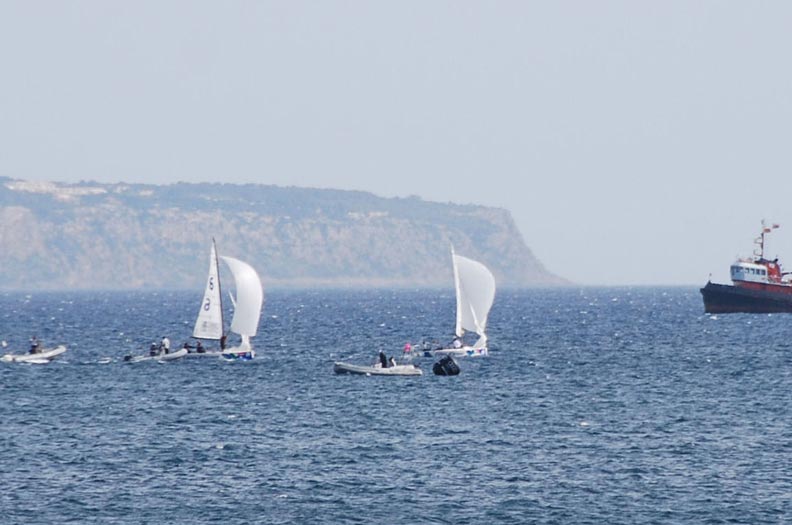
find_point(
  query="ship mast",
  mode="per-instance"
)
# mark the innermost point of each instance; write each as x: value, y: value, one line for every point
x: 761, y: 239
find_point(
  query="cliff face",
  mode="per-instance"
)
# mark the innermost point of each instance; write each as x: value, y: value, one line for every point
x: 91, y: 235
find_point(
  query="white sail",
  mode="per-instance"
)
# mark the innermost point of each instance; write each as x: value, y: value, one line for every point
x: 475, y: 291
x: 249, y: 298
x: 209, y: 324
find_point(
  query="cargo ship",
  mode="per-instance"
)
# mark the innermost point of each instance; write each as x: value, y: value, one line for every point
x: 760, y: 285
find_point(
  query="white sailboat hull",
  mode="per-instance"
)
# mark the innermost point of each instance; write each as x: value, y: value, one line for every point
x: 208, y: 353
x: 465, y: 351
x: 45, y: 356
x: 238, y: 353
x: 398, y: 370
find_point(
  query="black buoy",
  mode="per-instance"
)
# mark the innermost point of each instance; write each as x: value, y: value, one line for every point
x: 446, y: 367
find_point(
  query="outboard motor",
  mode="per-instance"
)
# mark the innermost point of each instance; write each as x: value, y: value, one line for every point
x: 446, y: 367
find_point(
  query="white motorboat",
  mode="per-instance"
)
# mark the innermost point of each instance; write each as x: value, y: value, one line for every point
x: 45, y: 356
x: 161, y: 357
x: 171, y: 356
x: 377, y: 370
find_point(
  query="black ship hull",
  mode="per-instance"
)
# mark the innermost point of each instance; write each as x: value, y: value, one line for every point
x: 723, y: 299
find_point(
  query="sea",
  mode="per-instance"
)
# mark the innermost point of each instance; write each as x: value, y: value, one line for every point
x: 595, y: 405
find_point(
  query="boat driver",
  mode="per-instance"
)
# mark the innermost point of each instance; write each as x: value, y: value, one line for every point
x: 34, y: 345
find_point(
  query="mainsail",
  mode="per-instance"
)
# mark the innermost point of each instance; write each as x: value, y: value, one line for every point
x: 475, y: 292
x: 249, y: 297
x: 209, y: 324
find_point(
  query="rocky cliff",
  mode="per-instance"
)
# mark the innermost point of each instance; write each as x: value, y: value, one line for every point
x: 91, y: 235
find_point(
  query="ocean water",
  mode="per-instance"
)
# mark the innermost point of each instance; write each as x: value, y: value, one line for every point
x: 604, y: 405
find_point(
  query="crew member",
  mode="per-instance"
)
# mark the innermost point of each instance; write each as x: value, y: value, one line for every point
x: 34, y: 345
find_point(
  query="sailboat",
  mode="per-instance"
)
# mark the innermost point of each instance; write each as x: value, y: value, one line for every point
x: 209, y: 322
x: 475, y: 293
x: 247, y: 308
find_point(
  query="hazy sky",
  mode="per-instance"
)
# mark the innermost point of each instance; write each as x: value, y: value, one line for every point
x: 634, y: 142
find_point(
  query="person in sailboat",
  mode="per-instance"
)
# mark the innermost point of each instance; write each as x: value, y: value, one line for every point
x: 34, y: 345
x: 165, y: 345
x: 199, y: 349
x: 383, y: 359
x: 427, y: 347
x: 457, y: 343
x: 223, y: 342
x: 187, y: 346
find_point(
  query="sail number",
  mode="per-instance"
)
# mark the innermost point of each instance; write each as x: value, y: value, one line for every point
x: 207, y: 304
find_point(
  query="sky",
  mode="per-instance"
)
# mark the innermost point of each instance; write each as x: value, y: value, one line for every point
x: 634, y: 143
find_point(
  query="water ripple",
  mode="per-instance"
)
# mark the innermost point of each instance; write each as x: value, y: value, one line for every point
x: 595, y: 406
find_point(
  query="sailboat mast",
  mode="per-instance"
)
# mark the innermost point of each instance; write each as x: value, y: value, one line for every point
x: 219, y: 289
x: 458, y: 330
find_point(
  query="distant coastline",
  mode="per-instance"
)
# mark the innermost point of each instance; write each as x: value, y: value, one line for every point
x: 59, y: 236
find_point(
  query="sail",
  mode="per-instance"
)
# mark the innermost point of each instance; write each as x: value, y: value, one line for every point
x: 249, y: 297
x: 209, y: 324
x: 475, y: 290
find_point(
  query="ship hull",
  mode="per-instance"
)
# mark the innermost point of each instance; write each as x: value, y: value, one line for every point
x: 723, y: 298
